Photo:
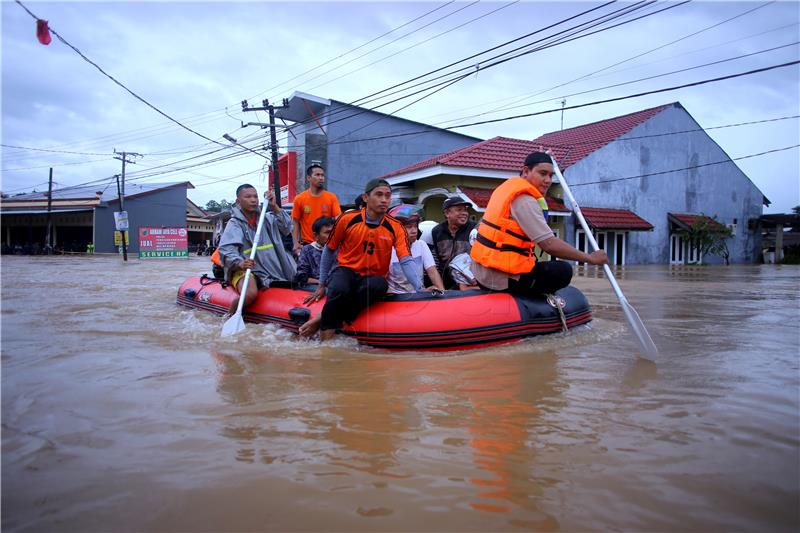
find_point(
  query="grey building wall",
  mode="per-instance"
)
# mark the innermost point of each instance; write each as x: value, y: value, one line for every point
x: 161, y: 208
x: 350, y: 161
x: 720, y: 190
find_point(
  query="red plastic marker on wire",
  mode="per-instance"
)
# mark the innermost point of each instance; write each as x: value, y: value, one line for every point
x: 43, y: 32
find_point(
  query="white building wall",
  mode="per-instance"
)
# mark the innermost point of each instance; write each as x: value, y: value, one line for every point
x: 721, y: 190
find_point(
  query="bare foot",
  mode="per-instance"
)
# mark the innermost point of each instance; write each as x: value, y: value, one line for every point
x: 326, y: 334
x: 311, y: 326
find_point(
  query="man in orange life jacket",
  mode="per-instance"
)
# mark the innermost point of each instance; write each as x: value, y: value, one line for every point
x: 514, y: 222
x: 361, y: 242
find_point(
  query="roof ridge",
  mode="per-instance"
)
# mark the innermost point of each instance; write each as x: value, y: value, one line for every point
x: 595, y: 123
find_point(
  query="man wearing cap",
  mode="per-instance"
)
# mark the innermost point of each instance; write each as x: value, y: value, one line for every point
x: 451, y: 236
x: 361, y: 242
x: 311, y: 204
x: 515, y: 221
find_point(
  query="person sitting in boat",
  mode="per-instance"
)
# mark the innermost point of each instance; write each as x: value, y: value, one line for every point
x: 310, y: 254
x: 515, y: 221
x: 409, y: 216
x: 461, y: 267
x: 451, y: 237
x: 362, y: 243
x: 272, y: 262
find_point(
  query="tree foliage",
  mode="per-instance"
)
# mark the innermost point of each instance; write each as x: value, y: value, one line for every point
x: 218, y: 207
x: 708, y: 236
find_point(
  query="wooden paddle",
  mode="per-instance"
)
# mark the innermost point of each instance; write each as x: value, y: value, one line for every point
x: 646, y: 344
x: 235, y: 323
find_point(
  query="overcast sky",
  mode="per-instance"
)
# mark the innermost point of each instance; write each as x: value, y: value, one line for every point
x: 196, y: 61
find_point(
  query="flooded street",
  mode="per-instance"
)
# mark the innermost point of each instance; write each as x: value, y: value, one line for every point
x: 123, y: 412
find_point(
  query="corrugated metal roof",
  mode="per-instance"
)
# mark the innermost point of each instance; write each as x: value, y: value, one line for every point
x: 108, y: 192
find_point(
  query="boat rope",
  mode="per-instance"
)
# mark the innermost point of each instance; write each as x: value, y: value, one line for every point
x: 558, y: 303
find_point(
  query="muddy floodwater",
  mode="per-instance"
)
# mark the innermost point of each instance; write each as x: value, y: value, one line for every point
x: 124, y: 412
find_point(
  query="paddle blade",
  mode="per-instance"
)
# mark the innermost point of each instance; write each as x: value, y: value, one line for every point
x: 233, y: 325
x: 647, y: 345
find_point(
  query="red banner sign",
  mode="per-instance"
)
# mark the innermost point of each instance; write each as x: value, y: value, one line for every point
x: 163, y: 242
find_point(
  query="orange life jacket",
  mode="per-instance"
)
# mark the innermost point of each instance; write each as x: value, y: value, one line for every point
x: 501, y: 243
x: 215, y: 258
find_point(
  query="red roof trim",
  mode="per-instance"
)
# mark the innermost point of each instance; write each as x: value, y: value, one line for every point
x: 601, y: 218
x: 573, y: 144
x: 685, y: 220
x: 569, y: 146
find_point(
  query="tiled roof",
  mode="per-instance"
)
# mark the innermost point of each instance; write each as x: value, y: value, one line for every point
x: 506, y: 154
x: 601, y: 218
x: 685, y: 220
x: 580, y: 141
x: 498, y: 153
x: 481, y: 198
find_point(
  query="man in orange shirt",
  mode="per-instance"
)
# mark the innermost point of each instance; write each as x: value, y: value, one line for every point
x: 361, y: 242
x: 311, y: 204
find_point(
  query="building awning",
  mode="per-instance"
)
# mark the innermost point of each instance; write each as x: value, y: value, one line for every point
x: 600, y: 218
x: 686, y: 220
x: 480, y: 199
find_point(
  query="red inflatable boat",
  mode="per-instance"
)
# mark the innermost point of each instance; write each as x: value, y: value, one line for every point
x: 455, y: 320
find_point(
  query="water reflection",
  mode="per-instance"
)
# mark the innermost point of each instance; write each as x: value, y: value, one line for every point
x: 377, y: 421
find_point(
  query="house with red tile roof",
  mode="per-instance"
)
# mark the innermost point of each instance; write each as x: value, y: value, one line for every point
x: 634, y: 177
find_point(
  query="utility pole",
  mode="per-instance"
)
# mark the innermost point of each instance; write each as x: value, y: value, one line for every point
x: 121, y: 194
x: 273, y: 139
x: 48, y: 240
x: 563, y: 103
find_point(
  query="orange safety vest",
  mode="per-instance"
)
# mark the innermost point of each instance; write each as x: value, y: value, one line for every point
x: 215, y: 258
x: 501, y: 243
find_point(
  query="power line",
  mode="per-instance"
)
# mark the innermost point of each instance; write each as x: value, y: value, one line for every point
x: 419, y: 43
x: 46, y: 150
x: 729, y: 160
x: 684, y: 37
x: 637, y: 95
x: 356, y: 48
x: 109, y: 76
x: 629, y: 82
x: 575, y: 29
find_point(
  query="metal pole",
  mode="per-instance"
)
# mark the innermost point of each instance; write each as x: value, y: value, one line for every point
x: 121, y: 208
x: 48, y: 240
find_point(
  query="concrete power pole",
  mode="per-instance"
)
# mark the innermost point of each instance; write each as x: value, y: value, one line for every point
x: 48, y: 245
x: 276, y: 185
x: 121, y: 194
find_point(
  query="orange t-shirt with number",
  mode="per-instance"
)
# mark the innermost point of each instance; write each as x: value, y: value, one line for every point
x: 307, y: 208
x: 365, y: 248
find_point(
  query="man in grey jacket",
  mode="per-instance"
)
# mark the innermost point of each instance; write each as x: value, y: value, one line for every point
x: 272, y: 262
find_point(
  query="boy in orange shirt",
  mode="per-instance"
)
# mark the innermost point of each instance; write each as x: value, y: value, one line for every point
x: 362, y: 243
x: 311, y: 204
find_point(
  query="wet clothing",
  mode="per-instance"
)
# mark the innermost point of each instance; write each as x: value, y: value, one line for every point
x: 307, y: 208
x: 308, y: 262
x: 363, y: 248
x: 446, y: 246
x: 545, y: 276
x: 349, y: 293
x: 273, y: 263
